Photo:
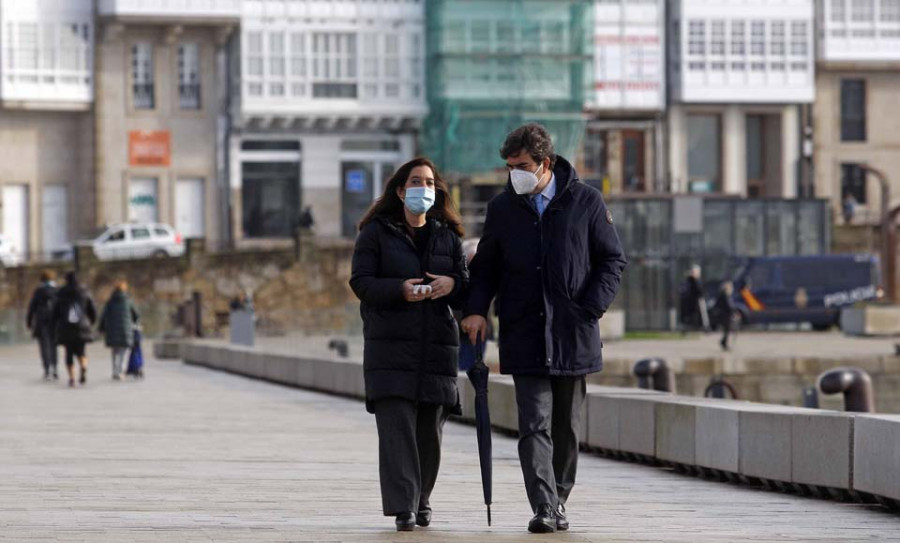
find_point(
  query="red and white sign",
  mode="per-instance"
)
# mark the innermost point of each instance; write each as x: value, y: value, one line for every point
x: 152, y: 149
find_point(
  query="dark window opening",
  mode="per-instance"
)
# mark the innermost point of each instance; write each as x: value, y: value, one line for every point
x: 853, y: 110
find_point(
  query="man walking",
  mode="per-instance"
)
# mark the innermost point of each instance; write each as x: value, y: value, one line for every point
x: 40, y: 321
x: 551, y: 256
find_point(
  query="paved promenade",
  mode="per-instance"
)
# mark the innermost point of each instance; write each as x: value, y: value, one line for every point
x: 196, y: 455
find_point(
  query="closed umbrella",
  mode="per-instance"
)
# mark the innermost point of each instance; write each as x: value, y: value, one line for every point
x: 478, y: 376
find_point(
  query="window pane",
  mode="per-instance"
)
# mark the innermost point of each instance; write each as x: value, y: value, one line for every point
x: 853, y: 110
x: 704, y: 151
x: 853, y: 182
x: 142, y: 75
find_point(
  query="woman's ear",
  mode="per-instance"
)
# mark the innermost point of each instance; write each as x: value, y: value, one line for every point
x: 401, y: 193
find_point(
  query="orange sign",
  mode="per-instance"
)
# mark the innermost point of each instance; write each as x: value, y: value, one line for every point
x: 149, y: 148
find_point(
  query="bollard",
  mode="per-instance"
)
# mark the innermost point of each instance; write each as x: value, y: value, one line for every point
x: 655, y: 374
x: 854, y: 383
x: 810, y: 397
x: 340, y: 346
x: 717, y: 387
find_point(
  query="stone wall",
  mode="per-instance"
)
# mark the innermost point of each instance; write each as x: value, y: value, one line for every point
x: 303, y: 288
x: 768, y: 380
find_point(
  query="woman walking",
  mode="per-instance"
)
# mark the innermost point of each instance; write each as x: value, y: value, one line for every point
x: 117, y: 324
x: 74, y: 317
x: 408, y: 271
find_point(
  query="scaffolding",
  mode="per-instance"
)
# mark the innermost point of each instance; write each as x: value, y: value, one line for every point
x: 494, y: 65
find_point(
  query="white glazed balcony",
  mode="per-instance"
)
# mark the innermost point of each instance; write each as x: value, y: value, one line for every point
x: 171, y: 10
x: 850, y: 35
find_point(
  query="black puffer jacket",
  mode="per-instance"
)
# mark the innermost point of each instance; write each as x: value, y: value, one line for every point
x: 73, y: 300
x: 554, y: 276
x: 40, y: 310
x: 411, y: 348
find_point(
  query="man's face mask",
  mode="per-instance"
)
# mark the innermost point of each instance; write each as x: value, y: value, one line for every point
x: 418, y: 200
x: 524, y: 182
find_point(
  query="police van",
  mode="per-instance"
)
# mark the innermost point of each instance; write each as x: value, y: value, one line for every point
x: 809, y: 289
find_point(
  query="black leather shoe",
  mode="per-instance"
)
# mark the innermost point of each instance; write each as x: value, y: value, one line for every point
x: 423, y: 517
x: 406, y: 522
x: 562, y: 523
x: 544, y: 521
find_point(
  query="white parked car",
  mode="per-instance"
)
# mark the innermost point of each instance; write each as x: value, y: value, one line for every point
x: 9, y: 256
x: 137, y: 240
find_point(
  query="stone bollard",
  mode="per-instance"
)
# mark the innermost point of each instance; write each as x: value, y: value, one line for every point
x: 854, y: 383
x: 654, y: 373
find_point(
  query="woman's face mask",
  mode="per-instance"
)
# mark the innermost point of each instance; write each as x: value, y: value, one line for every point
x: 418, y: 200
x: 524, y: 182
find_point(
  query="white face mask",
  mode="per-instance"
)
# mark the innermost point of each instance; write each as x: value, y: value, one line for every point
x: 524, y: 182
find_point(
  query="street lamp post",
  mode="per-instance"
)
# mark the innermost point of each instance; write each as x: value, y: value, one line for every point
x: 888, y: 234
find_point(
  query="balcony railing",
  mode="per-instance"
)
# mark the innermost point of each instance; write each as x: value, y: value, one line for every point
x: 143, y: 96
x: 189, y: 95
x: 171, y: 9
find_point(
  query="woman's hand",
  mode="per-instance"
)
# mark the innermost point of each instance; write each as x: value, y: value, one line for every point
x: 408, y: 288
x: 441, y: 285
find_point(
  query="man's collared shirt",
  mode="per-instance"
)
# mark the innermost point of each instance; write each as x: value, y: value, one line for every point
x: 542, y: 200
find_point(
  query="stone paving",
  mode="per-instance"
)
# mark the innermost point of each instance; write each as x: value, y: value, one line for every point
x: 196, y: 455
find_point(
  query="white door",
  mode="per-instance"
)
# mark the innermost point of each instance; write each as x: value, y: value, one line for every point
x: 190, y: 208
x: 143, y: 200
x: 15, y: 217
x: 54, y: 218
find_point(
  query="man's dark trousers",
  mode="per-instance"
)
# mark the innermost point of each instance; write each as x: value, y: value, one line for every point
x: 47, y: 344
x: 549, y: 422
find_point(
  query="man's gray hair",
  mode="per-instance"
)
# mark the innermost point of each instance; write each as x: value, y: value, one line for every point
x: 531, y: 138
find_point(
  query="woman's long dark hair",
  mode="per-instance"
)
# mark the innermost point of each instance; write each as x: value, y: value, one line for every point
x: 391, y: 206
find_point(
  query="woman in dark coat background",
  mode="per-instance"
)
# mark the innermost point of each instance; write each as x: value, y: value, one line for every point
x: 40, y: 322
x: 409, y: 269
x: 74, y: 317
x: 117, y: 324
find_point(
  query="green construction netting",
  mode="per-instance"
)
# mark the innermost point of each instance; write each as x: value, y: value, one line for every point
x: 496, y: 64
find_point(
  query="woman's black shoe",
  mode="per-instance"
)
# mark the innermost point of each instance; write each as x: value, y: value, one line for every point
x: 423, y: 517
x: 406, y: 522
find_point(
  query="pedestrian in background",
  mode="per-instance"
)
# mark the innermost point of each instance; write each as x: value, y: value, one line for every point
x: 410, y: 239
x: 40, y: 321
x: 724, y: 311
x: 551, y: 256
x: 848, y: 208
x: 117, y: 324
x: 693, y: 303
x: 74, y: 316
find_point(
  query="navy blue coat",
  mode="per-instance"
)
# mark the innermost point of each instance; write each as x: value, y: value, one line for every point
x: 411, y: 348
x: 553, y: 277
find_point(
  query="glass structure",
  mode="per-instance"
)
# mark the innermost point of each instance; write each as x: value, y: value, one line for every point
x: 496, y: 64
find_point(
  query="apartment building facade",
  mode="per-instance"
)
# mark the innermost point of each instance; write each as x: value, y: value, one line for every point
x: 740, y: 74
x: 856, y: 120
x: 46, y: 137
x: 331, y: 98
x: 624, y: 139
x: 162, y: 98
